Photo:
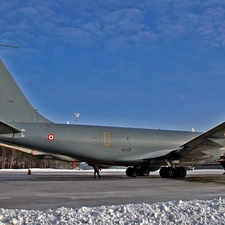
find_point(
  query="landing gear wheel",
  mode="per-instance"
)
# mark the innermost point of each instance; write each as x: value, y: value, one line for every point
x: 135, y: 172
x: 181, y: 172
x: 144, y: 172
x: 129, y: 171
x: 132, y: 172
x: 163, y: 172
x: 171, y: 172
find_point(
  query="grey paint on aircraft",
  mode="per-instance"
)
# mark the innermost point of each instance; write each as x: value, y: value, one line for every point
x: 23, y: 128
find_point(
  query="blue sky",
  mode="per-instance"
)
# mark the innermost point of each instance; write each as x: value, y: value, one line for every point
x: 127, y: 63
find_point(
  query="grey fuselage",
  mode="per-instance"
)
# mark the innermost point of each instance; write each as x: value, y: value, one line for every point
x: 99, y: 144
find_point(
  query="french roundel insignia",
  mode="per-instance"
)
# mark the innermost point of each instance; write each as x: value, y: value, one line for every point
x: 51, y: 137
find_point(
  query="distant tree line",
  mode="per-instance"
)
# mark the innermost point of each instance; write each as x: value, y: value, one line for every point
x: 12, y: 159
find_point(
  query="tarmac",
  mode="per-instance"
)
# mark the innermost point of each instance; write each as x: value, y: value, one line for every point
x: 50, y: 189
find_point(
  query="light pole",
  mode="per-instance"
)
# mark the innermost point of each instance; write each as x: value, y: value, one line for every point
x: 76, y: 115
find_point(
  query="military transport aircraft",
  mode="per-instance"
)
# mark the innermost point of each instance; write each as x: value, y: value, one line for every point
x: 140, y: 150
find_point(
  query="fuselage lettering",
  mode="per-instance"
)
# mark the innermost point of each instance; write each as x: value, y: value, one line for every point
x: 125, y: 149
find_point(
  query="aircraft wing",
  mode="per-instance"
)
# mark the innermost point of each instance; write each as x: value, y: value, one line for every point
x: 206, y: 145
x: 197, y: 150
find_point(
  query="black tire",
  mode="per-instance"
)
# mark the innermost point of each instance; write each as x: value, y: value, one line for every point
x: 132, y: 172
x: 135, y: 172
x: 171, y: 172
x: 129, y: 171
x: 163, y: 172
x: 181, y: 172
x: 144, y: 172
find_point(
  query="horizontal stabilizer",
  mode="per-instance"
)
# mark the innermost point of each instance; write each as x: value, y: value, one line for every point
x: 39, y: 153
x: 6, y: 128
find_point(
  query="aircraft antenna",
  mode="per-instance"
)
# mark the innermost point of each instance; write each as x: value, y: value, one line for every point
x: 8, y: 46
x: 76, y: 115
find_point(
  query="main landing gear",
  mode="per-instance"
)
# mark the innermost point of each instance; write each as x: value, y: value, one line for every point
x: 165, y: 172
x: 170, y: 172
x: 136, y: 171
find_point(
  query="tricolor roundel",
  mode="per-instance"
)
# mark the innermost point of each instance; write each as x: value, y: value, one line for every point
x: 51, y: 137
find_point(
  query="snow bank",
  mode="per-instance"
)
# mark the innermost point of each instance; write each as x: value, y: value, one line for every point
x: 173, y: 212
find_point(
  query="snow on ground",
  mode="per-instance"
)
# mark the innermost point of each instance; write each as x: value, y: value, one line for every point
x: 172, y: 212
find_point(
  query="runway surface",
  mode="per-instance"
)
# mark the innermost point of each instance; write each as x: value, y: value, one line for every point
x: 50, y: 189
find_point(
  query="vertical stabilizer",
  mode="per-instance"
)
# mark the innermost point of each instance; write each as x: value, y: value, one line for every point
x: 14, y: 107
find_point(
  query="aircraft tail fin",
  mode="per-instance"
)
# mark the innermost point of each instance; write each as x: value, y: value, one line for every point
x: 14, y: 106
